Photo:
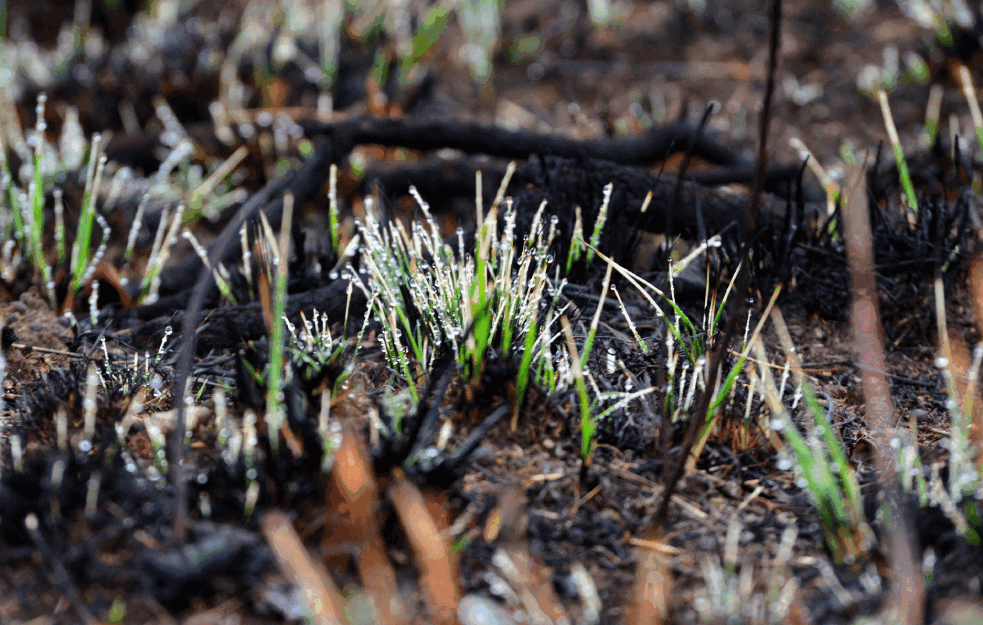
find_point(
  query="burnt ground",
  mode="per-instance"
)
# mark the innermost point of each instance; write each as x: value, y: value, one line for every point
x: 531, y: 526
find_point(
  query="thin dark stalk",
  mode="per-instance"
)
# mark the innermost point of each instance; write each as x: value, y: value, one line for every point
x: 684, y: 166
x: 750, y: 228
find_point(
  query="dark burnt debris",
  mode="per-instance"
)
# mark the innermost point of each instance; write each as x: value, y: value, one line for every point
x: 97, y: 505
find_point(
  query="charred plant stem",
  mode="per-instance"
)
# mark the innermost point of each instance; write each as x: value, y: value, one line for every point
x: 698, y: 417
x: 650, y: 147
x: 687, y: 157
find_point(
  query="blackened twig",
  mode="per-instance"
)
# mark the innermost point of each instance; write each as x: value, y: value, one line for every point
x: 449, y: 467
x: 649, y: 147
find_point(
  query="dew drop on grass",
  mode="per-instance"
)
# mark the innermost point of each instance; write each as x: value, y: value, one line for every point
x: 475, y: 609
x: 801, y: 482
x: 251, y: 473
x: 941, y: 362
x: 777, y: 424
x: 499, y: 588
x: 85, y: 446
x: 784, y: 464
x: 202, y: 478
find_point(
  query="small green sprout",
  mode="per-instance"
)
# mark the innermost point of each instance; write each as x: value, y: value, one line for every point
x: 587, y: 425
x: 902, y: 163
x: 821, y: 467
x: 274, y: 384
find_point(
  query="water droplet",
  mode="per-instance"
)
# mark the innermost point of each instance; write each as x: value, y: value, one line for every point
x: 475, y: 609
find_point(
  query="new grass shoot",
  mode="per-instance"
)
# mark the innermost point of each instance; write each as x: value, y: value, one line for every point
x: 969, y: 91
x: 24, y: 218
x: 820, y: 464
x: 961, y: 387
x: 431, y: 297
x: 902, y: 163
x: 732, y: 590
x: 431, y: 25
x: 275, y: 379
x: 683, y: 338
x: 25, y: 207
x: 587, y: 424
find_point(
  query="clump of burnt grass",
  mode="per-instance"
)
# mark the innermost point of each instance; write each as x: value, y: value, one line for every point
x: 911, y: 248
